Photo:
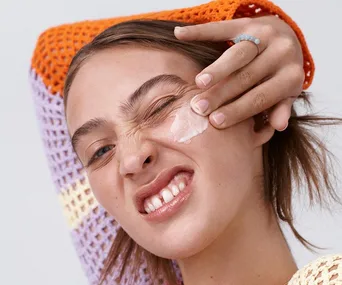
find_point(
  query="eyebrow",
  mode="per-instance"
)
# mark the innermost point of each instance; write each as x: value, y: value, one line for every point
x: 87, y: 128
x: 128, y: 106
x: 138, y: 94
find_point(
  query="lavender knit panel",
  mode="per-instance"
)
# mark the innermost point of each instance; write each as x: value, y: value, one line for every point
x: 63, y: 162
x: 92, y: 240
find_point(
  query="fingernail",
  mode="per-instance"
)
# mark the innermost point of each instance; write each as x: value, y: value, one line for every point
x: 180, y: 30
x: 218, y: 118
x: 287, y: 124
x: 205, y: 78
x: 200, y: 106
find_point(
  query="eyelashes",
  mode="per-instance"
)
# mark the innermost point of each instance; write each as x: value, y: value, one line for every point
x: 154, y: 114
x: 163, y: 105
x: 154, y: 111
x: 99, y: 153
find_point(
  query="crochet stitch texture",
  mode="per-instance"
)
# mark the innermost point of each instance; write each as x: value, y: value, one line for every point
x: 92, y: 228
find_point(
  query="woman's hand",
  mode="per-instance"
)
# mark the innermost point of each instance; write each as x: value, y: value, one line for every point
x: 270, y: 75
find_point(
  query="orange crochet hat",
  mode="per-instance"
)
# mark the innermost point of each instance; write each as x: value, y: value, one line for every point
x: 57, y: 46
x: 92, y: 228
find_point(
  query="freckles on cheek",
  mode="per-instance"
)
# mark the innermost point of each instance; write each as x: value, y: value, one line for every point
x: 187, y: 125
x: 106, y: 191
x: 113, y: 204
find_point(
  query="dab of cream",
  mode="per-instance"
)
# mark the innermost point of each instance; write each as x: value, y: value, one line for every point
x: 187, y: 124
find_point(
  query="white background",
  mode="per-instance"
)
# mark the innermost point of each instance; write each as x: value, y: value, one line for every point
x: 35, y: 247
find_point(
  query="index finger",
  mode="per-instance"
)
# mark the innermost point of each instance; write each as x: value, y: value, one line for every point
x: 213, y: 31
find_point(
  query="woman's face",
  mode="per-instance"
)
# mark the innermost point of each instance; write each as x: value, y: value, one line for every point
x: 130, y: 154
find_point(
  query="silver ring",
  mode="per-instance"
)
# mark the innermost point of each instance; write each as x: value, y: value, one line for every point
x: 244, y: 37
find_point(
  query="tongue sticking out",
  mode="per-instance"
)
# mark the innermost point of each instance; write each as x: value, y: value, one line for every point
x: 187, y: 124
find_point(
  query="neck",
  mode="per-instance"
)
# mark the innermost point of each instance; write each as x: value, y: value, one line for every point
x: 252, y: 250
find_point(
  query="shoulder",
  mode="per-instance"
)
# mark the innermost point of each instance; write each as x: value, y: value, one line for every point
x: 323, y: 271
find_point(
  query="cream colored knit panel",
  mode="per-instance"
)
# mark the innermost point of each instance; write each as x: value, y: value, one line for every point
x: 323, y: 271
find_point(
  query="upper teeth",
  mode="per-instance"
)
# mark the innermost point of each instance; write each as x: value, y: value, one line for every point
x: 166, y: 195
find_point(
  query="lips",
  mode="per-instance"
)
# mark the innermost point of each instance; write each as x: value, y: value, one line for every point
x: 153, y: 188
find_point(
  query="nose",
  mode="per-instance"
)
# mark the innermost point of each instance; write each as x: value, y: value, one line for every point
x: 136, y: 158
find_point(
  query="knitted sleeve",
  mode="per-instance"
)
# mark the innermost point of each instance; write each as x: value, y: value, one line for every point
x: 323, y: 271
x: 92, y: 228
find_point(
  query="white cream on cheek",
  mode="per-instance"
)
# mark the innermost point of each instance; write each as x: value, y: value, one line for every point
x: 187, y: 124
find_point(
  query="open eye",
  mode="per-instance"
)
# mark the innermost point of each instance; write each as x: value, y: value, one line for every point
x: 100, y: 153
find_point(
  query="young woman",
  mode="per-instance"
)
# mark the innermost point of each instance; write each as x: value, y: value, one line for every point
x: 182, y: 190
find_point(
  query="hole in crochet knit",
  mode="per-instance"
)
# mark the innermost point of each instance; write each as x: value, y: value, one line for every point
x: 334, y: 267
x: 319, y: 275
x: 309, y: 273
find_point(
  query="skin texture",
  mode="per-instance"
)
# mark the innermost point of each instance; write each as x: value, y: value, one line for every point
x: 277, y: 70
x: 224, y: 233
x: 187, y: 125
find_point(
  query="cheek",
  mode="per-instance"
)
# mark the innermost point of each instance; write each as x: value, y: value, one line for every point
x: 225, y: 177
x: 225, y: 159
x: 109, y: 192
x: 106, y: 189
x: 181, y: 127
x: 187, y: 125
x: 231, y: 152
x: 227, y: 163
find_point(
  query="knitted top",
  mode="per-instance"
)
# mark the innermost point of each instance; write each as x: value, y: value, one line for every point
x: 92, y: 228
x: 324, y: 270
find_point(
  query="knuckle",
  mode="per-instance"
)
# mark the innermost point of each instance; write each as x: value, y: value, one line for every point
x: 240, y: 53
x: 206, y: 31
x: 259, y: 101
x: 236, y: 113
x: 288, y: 47
x: 268, y: 30
x: 244, y: 77
x: 196, y: 34
x: 247, y: 21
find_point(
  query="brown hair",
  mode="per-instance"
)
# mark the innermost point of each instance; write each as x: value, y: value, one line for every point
x: 294, y: 157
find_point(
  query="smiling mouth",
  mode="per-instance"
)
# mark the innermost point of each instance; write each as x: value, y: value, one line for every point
x: 165, y: 194
x: 168, y: 193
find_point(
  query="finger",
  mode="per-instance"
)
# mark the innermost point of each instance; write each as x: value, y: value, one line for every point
x: 260, y: 98
x: 264, y: 66
x: 280, y: 115
x: 233, y: 59
x: 212, y: 31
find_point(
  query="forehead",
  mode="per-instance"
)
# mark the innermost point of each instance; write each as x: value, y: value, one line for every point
x: 109, y: 77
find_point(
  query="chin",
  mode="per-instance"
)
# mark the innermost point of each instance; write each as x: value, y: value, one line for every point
x: 181, y: 249
x: 183, y: 239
